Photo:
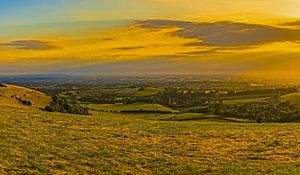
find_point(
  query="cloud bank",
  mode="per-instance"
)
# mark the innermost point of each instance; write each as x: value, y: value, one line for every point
x: 226, y: 33
x: 31, y: 45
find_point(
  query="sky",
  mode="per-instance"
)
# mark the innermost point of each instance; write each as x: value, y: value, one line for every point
x: 150, y: 37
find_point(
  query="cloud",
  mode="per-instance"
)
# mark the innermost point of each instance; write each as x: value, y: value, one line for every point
x: 217, y: 50
x: 109, y: 39
x: 129, y: 48
x: 226, y: 33
x: 295, y: 24
x: 31, y: 45
x: 210, y: 51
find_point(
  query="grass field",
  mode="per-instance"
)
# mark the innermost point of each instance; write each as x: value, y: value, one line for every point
x: 179, y: 117
x: 247, y: 96
x: 243, y: 101
x: 294, y: 98
x: 38, y: 99
x: 36, y: 142
x: 131, y: 107
x: 148, y: 91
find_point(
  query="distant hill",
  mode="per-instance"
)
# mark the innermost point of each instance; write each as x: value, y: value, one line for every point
x: 294, y: 98
x: 9, y: 95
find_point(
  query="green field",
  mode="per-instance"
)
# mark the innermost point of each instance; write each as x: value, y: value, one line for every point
x: 245, y: 100
x: 148, y: 91
x: 294, y: 98
x: 179, y: 117
x: 131, y: 107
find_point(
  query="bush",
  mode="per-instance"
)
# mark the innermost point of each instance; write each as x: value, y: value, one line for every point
x: 3, y: 85
x: 66, y: 105
x: 24, y: 102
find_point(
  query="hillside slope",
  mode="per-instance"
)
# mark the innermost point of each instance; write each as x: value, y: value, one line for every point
x: 294, y: 98
x: 37, y: 142
x: 10, y: 93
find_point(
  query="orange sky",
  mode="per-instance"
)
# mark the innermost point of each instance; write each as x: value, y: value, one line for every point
x: 151, y: 36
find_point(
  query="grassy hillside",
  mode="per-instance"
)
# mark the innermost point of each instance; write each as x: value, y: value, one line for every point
x: 36, y: 142
x: 9, y: 93
x: 294, y: 98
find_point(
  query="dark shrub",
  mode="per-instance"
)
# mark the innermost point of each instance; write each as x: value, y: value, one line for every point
x: 24, y: 102
x: 66, y: 105
x: 3, y: 85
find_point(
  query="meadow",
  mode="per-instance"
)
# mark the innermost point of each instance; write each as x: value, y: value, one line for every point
x: 294, y: 98
x: 244, y: 100
x: 37, y: 142
x: 148, y: 91
x: 33, y: 141
x: 131, y: 107
x: 10, y: 93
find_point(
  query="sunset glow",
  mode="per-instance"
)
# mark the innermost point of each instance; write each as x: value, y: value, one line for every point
x: 142, y: 36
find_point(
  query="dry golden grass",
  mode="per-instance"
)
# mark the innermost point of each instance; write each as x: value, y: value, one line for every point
x: 38, y: 99
x: 36, y: 142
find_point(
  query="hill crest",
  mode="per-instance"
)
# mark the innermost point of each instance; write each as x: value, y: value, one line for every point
x: 9, y: 95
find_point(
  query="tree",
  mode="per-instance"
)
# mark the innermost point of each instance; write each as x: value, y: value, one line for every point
x: 218, y: 109
x: 66, y: 105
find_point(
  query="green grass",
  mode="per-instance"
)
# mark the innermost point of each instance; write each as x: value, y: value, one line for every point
x: 36, y: 142
x: 294, y: 98
x: 243, y: 101
x: 127, y: 91
x: 247, y: 96
x: 162, y: 117
x: 148, y: 91
x: 188, y: 117
x: 132, y: 107
x: 195, y: 108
